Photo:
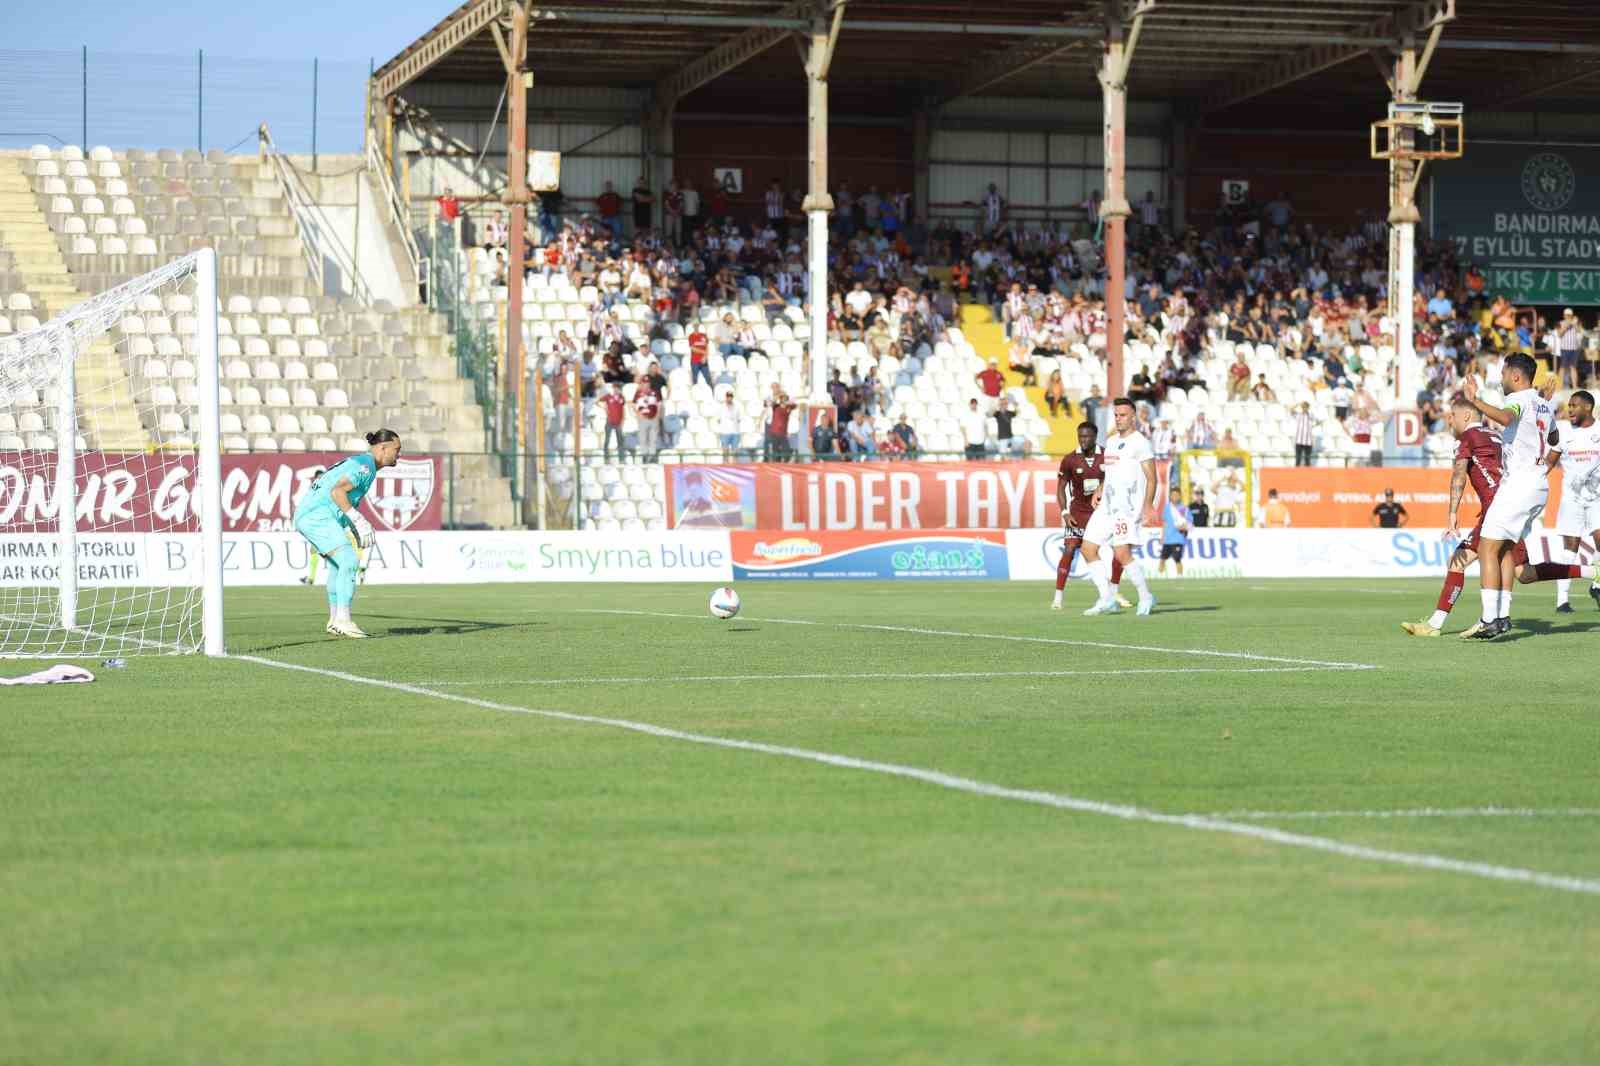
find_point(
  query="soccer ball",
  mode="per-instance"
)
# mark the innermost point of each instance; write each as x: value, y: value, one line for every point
x: 724, y: 603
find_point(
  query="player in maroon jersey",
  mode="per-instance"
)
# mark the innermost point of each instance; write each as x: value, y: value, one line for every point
x: 1478, y: 462
x: 1080, y: 475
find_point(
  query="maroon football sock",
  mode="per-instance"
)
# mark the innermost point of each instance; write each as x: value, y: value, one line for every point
x: 1454, y: 581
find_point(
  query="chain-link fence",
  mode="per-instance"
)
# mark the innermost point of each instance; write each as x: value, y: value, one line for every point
x: 131, y: 100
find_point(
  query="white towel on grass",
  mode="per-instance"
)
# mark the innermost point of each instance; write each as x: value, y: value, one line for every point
x: 60, y: 674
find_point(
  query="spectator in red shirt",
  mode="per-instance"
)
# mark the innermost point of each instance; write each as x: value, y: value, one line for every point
x: 777, y: 443
x: 449, y: 206
x: 610, y: 207
x: 990, y: 380
x: 699, y: 367
x: 449, y: 212
x: 647, y: 406
x: 616, y: 407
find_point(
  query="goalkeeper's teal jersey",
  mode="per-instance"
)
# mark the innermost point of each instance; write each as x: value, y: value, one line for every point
x: 359, y: 469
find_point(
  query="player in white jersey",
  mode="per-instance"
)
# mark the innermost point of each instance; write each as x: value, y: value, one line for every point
x: 1528, y: 420
x: 1124, y: 502
x: 1579, y: 444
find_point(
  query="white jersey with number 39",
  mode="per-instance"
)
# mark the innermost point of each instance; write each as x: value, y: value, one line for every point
x: 1525, y: 439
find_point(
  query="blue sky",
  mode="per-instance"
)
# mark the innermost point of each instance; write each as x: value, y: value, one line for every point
x: 332, y: 29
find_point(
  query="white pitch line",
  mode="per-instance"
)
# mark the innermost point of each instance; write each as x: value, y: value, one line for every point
x: 1060, y: 641
x: 962, y: 675
x: 1204, y: 823
x: 1417, y: 812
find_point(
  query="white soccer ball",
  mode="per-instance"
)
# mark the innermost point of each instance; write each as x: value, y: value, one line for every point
x: 724, y: 603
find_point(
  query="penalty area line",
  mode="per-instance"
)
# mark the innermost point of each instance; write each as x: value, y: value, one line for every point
x: 1060, y: 801
x: 1018, y: 638
x: 959, y: 675
x: 1413, y: 812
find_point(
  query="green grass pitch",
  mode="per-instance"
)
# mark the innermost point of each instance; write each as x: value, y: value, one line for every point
x: 227, y: 862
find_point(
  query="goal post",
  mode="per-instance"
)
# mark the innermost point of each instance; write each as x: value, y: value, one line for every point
x: 1226, y: 476
x: 110, y: 473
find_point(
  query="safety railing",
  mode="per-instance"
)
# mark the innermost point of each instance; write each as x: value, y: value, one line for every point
x: 318, y: 237
x: 399, y: 216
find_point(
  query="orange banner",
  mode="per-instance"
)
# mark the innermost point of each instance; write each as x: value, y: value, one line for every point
x: 1321, y: 497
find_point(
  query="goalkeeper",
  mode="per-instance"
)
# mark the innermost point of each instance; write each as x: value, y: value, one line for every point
x: 328, y: 515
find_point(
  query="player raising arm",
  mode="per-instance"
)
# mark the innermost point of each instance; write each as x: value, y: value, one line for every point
x: 329, y: 513
x: 1124, y: 503
x: 1478, y: 463
x: 1527, y: 419
x: 1579, y: 516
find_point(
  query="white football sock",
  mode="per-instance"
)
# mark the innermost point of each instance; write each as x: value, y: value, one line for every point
x: 1505, y: 604
x: 1100, y: 571
x: 1057, y: 600
x: 1491, y: 604
x: 1563, y: 590
x: 1135, y: 573
x: 1437, y: 621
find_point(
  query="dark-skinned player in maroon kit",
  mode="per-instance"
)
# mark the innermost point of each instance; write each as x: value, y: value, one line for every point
x: 1478, y: 462
x: 1076, y: 481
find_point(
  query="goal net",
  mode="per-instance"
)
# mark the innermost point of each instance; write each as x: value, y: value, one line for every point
x: 110, y: 487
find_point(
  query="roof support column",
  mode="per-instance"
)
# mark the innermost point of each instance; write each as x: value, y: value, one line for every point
x: 516, y: 197
x: 1114, y: 208
x: 1403, y: 215
x: 818, y: 206
x: 661, y: 161
x: 921, y: 151
x: 1178, y: 132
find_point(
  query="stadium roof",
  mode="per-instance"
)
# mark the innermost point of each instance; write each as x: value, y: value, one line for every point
x: 893, y: 56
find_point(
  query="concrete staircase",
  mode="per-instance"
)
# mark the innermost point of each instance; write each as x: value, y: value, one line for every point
x: 988, y: 338
x: 107, y: 416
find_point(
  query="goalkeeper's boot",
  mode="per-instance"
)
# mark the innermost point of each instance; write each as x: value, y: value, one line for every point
x: 1594, y: 594
x: 343, y: 628
x: 1419, y: 629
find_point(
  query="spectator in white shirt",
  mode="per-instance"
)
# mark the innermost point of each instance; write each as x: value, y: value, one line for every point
x: 1304, y: 435
x: 974, y: 430
x: 728, y: 427
x: 1149, y: 211
x: 994, y: 206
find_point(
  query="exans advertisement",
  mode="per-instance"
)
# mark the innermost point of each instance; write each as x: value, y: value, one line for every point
x: 1528, y: 215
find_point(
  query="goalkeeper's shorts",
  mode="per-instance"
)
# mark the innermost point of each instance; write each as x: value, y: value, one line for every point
x: 325, y: 529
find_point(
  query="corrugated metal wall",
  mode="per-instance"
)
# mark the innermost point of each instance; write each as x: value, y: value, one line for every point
x: 1044, y: 171
x: 596, y: 130
x: 1043, y: 176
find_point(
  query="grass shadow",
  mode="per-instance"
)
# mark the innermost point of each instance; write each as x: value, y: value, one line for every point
x: 432, y: 627
x: 1539, y: 627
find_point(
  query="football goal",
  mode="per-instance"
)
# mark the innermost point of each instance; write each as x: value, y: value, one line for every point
x: 110, y: 479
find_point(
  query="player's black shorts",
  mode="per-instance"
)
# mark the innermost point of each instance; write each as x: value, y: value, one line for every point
x: 1173, y: 552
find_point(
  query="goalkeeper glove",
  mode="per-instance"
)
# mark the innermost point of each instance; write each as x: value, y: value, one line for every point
x: 363, y: 528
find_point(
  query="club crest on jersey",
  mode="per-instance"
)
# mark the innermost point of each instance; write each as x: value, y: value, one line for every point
x: 401, y: 493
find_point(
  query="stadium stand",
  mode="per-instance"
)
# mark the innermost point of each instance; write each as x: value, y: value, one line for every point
x: 301, y: 370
